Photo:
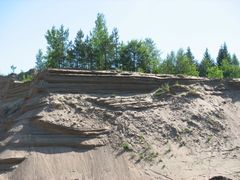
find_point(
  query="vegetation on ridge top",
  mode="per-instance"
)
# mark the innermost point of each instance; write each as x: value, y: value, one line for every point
x: 101, y: 50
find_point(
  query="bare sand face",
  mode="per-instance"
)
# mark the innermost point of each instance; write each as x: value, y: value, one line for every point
x: 70, y: 124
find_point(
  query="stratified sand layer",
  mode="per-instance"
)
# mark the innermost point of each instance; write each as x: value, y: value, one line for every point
x: 72, y: 124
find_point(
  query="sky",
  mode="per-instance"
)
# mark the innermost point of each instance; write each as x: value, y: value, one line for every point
x: 172, y: 24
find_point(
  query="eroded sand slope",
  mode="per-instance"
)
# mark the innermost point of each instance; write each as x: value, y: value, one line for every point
x: 70, y: 124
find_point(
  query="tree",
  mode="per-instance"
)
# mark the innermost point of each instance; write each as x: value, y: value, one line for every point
x: 168, y: 65
x: 223, y: 54
x: 139, y: 56
x: 184, y: 65
x: 128, y: 55
x: 205, y: 64
x: 13, y: 68
x: 89, y: 56
x: 101, y: 42
x: 234, y: 60
x: 153, y: 55
x: 229, y: 70
x: 190, y: 56
x: 214, y: 72
x: 40, y: 63
x: 70, y: 61
x: 58, y: 44
x: 79, y: 51
x: 116, y: 48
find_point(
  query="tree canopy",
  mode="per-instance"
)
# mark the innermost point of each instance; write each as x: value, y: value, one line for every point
x: 102, y: 49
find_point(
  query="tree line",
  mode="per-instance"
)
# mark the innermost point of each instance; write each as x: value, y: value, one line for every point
x: 101, y: 50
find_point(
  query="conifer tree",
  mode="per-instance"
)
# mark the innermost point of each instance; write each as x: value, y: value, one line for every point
x: 40, y: 64
x: 205, y: 64
x: 223, y: 54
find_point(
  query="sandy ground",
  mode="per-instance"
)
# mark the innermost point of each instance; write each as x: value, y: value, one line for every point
x: 180, y: 132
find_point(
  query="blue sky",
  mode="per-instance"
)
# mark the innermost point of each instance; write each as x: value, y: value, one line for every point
x: 172, y: 24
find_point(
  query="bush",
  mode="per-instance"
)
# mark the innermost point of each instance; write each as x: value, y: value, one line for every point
x: 126, y: 146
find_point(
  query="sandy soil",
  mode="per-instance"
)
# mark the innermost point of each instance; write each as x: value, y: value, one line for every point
x: 179, y: 131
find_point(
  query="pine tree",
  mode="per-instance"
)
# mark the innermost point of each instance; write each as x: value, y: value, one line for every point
x: 89, y: 56
x: 190, y: 56
x: 101, y: 43
x: 184, y: 65
x: 129, y: 55
x: 234, y: 60
x: 58, y: 44
x: 70, y: 58
x: 115, y: 48
x: 214, y: 72
x: 40, y: 64
x: 223, y: 54
x: 79, y: 51
x: 153, y: 55
x: 205, y: 64
x: 168, y: 65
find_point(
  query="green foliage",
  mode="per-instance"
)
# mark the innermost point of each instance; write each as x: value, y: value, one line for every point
x: 101, y: 50
x: 40, y: 63
x: 209, y: 138
x: 229, y: 70
x: 214, y: 72
x: 234, y: 60
x: 116, y: 49
x: 184, y: 65
x: 206, y: 63
x: 165, y: 88
x: 223, y: 54
x: 126, y: 146
x: 27, y: 78
x: 168, y: 65
x: 139, y: 55
x: 58, y: 44
x: 104, y: 45
x: 190, y: 56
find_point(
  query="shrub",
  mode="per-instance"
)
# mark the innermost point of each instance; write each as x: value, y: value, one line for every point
x: 126, y: 146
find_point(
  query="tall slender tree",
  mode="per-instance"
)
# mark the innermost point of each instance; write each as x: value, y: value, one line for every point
x: 223, y: 54
x: 184, y: 65
x: 89, y: 55
x: 168, y: 66
x: 58, y: 44
x: 115, y: 48
x: 205, y: 64
x: 189, y: 55
x: 153, y: 55
x: 101, y: 43
x: 234, y: 60
x: 79, y: 51
x: 40, y: 64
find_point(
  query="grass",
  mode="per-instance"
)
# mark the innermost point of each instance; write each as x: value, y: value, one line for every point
x: 142, y: 139
x: 148, y: 154
x: 152, y: 155
x: 126, y: 146
x: 209, y: 139
x: 187, y: 130
x: 165, y: 88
